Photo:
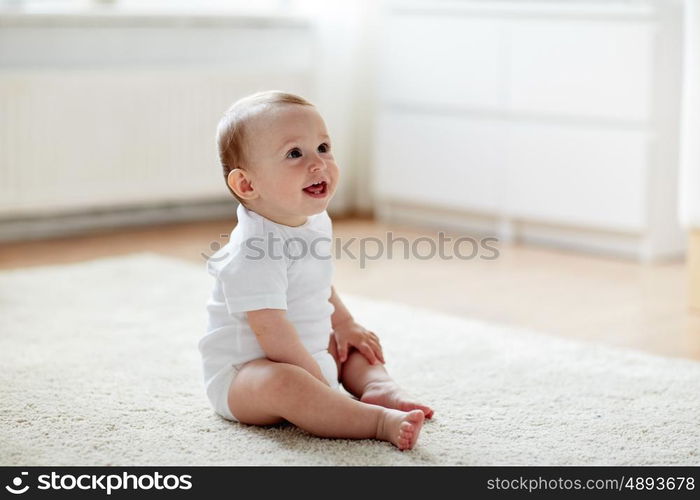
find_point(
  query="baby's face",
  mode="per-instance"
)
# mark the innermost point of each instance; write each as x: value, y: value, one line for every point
x: 288, y: 150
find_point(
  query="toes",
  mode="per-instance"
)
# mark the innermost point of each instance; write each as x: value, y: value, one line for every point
x: 406, y: 435
x: 408, y: 429
x: 415, y: 416
x: 427, y: 411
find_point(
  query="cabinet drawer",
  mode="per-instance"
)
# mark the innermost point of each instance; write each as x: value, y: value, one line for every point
x: 585, y: 177
x: 582, y: 68
x: 442, y: 60
x: 440, y: 160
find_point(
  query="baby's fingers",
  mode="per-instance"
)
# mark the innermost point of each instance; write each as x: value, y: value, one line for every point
x: 380, y: 353
x: 376, y: 345
x: 368, y: 353
x: 377, y: 350
x: 342, y: 350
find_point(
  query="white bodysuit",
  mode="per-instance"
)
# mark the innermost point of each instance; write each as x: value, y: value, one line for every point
x: 266, y: 265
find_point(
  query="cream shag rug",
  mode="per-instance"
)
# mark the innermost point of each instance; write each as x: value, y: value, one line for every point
x: 99, y: 366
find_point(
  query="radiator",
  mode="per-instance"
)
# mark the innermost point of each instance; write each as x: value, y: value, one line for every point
x: 103, y: 109
x: 74, y: 140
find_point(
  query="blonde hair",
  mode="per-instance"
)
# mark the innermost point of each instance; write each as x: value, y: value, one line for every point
x: 231, y: 131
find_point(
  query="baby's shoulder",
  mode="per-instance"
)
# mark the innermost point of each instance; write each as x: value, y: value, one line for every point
x: 247, y: 253
x: 323, y: 223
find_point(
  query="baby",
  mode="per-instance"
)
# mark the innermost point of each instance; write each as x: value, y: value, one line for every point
x: 279, y: 339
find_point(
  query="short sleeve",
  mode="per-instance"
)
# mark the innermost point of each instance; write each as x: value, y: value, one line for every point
x: 255, y: 278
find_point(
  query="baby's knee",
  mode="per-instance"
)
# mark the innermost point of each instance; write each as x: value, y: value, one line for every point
x: 283, y: 377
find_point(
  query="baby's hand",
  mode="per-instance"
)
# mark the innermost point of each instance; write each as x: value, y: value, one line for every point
x: 350, y: 333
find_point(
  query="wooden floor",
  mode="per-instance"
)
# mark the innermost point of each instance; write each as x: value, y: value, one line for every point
x: 577, y: 296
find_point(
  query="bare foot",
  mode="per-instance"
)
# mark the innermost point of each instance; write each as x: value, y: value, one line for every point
x: 390, y: 395
x: 400, y: 428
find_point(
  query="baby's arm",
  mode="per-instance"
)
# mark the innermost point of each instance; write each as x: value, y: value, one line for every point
x: 280, y: 341
x: 348, y: 333
x: 340, y: 312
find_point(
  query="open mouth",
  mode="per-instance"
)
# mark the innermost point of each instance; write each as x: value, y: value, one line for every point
x: 317, y: 190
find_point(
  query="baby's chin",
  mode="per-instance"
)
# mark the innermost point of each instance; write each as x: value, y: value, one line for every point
x: 314, y: 210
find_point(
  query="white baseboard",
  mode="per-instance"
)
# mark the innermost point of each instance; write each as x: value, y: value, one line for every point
x: 52, y: 225
x: 634, y: 246
x: 49, y: 225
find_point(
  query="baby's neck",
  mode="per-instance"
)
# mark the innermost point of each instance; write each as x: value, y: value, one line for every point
x: 285, y: 220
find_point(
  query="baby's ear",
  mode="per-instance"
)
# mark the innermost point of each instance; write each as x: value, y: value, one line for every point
x: 240, y: 183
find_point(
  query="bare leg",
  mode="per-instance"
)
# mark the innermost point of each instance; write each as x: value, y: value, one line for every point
x: 373, y: 385
x: 265, y: 392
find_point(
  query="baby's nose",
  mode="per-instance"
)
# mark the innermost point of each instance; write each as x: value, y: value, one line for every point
x: 317, y: 163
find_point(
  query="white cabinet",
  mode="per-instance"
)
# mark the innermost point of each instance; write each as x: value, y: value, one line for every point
x: 583, y: 68
x: 445, y: 148
x: 584, y: 177
x: 442, y: 60
x: 556, y: 121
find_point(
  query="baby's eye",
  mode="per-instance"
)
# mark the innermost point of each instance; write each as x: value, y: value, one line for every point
x: 294, y: 153
x: 324, y: 148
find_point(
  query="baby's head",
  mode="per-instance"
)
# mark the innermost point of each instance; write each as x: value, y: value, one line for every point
x: 273, y: 148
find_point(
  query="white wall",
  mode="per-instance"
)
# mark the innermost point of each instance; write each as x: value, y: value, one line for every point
x: 689, y: 203
x: 346, y: 78
x: 117, y: 109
